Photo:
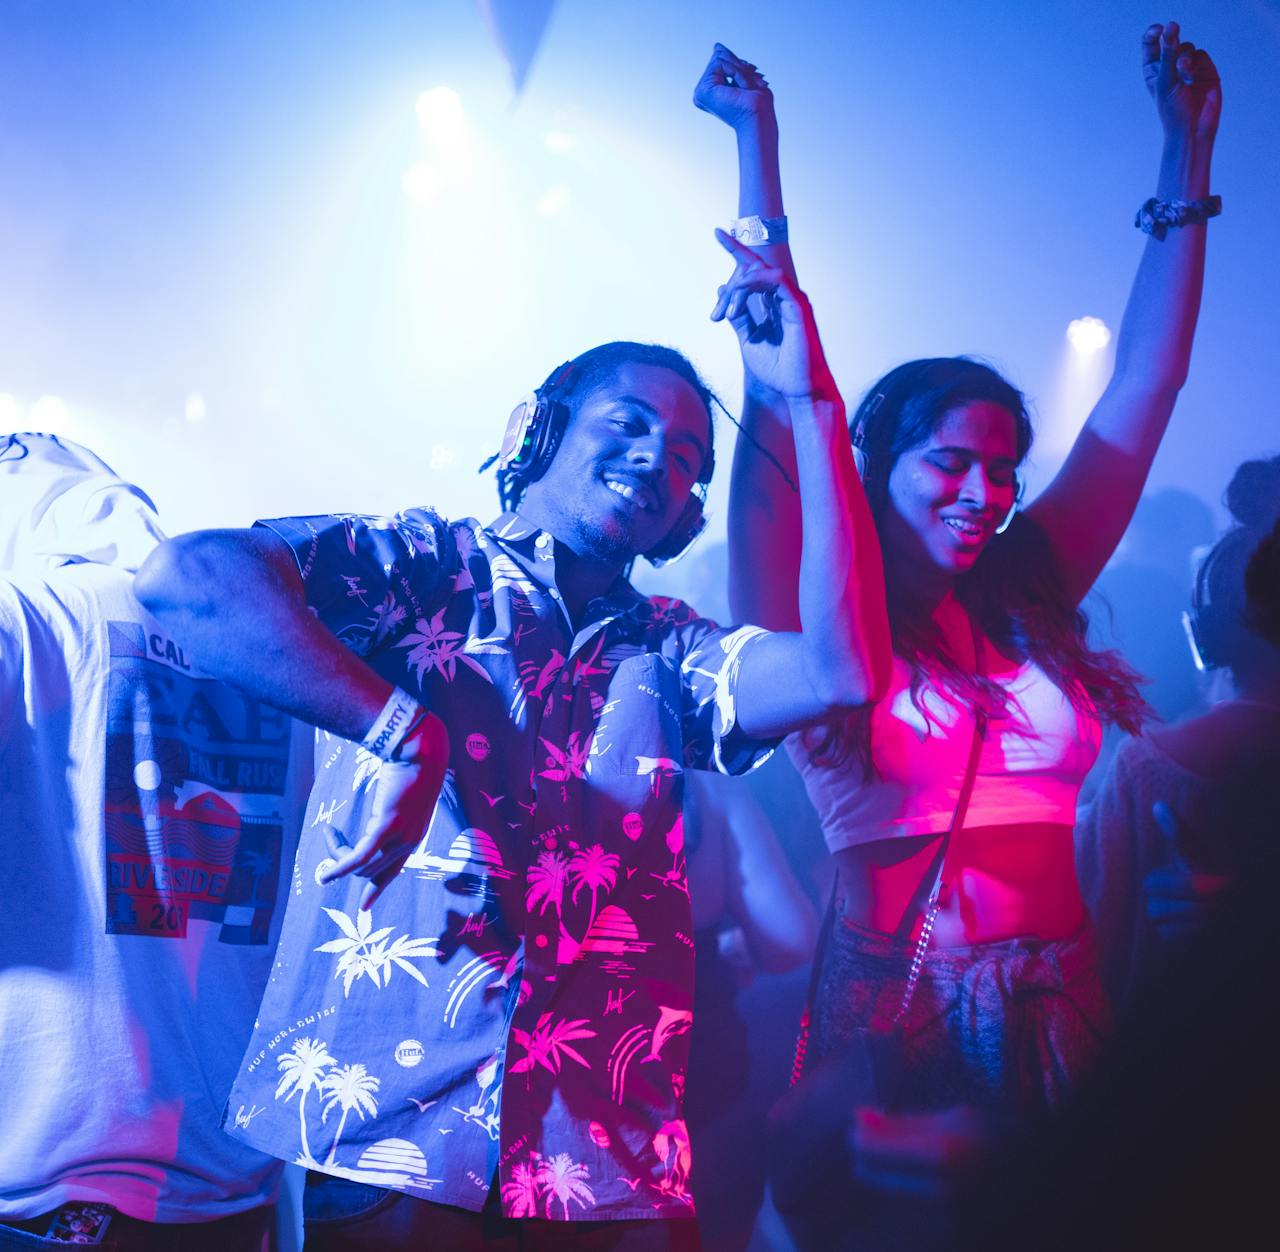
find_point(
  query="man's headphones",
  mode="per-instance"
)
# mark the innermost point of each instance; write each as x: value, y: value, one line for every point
x: 533, y: 435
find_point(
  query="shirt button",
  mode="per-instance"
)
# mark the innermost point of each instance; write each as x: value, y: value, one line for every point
x: 555, y: 595
x: 542, y: 540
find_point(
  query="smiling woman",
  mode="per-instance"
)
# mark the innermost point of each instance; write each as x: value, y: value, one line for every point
x: 949, y: 803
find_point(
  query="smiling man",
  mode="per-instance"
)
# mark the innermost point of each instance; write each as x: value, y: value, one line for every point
x: 504, y: 1029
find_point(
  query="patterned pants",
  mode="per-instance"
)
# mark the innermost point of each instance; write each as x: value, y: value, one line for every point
x: 1008, y: 1027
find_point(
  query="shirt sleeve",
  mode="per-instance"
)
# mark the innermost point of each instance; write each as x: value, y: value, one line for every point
x: 370, y: 579
x: 11, y: 662
x: 710, y: 661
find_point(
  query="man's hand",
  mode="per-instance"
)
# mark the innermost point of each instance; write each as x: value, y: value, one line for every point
x: 781, y: 348
x: 1184, y: 83
x: 733, y: 90
x: 404, y: 798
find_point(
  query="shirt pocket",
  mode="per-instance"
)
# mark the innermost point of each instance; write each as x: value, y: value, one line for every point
x: 638, y: 729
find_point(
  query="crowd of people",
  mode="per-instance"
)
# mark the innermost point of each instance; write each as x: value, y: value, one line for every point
x: 419, y: 854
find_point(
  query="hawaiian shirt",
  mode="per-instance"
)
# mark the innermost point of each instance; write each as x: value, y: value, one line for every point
x: 520, y: 999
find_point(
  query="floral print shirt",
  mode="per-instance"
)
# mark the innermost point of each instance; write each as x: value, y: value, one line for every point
x: 519, y: 1001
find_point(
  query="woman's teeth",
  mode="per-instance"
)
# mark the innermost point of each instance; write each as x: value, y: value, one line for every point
x: 969, y: 530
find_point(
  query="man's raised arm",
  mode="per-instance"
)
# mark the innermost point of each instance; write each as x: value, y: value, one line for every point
x: 235, y: 600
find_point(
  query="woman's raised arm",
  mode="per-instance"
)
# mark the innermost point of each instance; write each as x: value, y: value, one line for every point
x: 1091, y: 500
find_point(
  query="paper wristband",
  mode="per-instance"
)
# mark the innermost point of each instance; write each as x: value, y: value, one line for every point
x: 399, y: 716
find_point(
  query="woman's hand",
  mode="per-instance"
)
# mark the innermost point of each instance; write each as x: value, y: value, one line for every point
x: 781, y: 347
x: 733, y: 90
x: 1184, y: 83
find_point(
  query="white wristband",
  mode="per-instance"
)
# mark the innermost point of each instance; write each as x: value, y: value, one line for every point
x: 401, y: 714
x: 756, y: 230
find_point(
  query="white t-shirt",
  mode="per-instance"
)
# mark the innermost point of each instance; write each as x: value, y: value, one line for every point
x: 149, y: 822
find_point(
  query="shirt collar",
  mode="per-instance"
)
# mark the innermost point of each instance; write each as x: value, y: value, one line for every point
x: 535, y: 549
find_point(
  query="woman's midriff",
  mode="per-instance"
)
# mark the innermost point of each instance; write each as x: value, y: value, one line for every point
x: 1010, y: 882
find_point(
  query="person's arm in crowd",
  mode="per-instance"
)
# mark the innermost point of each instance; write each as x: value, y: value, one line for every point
x: 841, y: 658
x: 765, y: 521
x: 237, y: 602
x: 764, y: 898
x: 1089, y: 503
x: 803, y: 550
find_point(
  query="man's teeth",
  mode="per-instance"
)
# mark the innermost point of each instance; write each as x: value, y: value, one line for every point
x: 627, y: 493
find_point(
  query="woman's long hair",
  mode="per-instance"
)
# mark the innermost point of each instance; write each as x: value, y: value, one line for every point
x: 1014, y: 592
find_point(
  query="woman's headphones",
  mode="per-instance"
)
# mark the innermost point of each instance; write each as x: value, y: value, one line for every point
x: 860, y: 460
x: 533, y: 435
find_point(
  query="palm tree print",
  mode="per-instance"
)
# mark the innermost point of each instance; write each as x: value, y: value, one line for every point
x: 387, y: 616
x: 594, y: 870
x: 303, y: 1070
x: 347, y: 1087
x: 259, y: 864
x: 563, y: 765
x: 563, y: 1179
x: 367, y: 766
x: 366, y: 953
x: 548, y: 1041
x: 521, y: 1191
x: 546, y: 881
x: 434, y: 648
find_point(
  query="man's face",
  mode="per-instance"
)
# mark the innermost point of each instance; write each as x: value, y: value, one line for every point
x: 630, y: 456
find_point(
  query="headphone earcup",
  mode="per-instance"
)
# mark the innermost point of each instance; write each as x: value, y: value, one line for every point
x: 688, y: 526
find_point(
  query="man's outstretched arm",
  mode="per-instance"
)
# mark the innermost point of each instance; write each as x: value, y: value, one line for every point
x: 235, y: 600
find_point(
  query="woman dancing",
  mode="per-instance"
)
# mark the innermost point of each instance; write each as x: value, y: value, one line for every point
x: 949, y: 803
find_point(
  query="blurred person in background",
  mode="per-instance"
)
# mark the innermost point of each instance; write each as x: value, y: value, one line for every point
x: 150, y: 818
x: 1165, y: 1146
x: 1156, y: 845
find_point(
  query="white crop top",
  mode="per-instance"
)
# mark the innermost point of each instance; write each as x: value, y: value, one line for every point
x: 1031, y: 766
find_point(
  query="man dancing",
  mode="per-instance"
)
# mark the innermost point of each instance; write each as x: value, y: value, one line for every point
x: 497, y: 1020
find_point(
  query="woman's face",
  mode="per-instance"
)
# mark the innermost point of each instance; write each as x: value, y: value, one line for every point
x: 948, y: 495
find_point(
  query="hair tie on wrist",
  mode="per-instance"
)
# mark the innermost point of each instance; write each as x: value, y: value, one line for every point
x: 1156, y: 216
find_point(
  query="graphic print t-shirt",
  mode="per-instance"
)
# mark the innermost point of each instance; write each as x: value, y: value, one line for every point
x: 150, y: 822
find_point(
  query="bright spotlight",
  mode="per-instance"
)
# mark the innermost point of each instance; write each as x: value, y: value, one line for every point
x: 441, y: 116
x: 195, y: 409
x: 1088, y: 335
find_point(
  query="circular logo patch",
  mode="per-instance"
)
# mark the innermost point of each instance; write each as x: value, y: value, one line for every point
x: 409, y: 1053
